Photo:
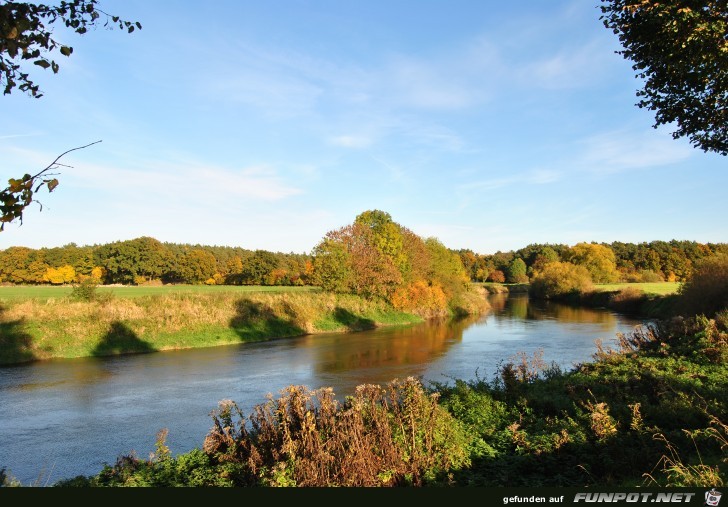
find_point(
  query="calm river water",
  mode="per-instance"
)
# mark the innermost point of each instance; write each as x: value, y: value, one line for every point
x: 64, y: 418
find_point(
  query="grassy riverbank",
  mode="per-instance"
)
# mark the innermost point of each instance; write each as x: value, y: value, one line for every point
x: 35, y: 329
x: 642, y: 300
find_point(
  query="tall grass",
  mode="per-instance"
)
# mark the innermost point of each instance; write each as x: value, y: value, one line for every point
x: 68, y: 328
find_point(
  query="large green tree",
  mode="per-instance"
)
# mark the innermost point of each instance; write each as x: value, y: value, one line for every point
x: 599, y: 260
x: 27, y: 37
x: 517, y: 271
x: 134, y: 261
x: 679, y: 48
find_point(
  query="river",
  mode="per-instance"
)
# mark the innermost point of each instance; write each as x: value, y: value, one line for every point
x: 63, y: 418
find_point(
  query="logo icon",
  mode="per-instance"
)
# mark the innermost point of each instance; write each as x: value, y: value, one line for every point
x: 712, y: 497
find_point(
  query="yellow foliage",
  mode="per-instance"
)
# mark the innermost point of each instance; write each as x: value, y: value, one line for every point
x: 420, y: 298
x: 98, y: 273
x: 57, y: 276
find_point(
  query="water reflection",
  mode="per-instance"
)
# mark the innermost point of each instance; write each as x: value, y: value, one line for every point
x: 520, y: 307
x: 412, y: 345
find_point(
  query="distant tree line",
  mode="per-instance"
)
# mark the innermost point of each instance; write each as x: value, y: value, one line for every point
x: 146, y: 260
x: 374, y: 256
x: 656, y: 261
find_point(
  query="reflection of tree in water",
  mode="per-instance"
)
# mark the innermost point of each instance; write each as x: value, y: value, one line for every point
x: 518, y: 307
x: 411, y: 345
x: 498, y: 302
x: 572, y: 314
x: 523, y: 308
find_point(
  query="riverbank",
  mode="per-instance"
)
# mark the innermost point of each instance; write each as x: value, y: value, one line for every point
x: 640, y: 300
x: 33, y: 330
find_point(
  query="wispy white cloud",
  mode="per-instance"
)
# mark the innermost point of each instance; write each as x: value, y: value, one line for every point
x: 351, y: 141
x: 532, y: 177
x: 568, y: 68
x: 395, y: 173
x: 627, y: 149
x: 460, y: 77
x: 431, y: 135
x: 190, y: 182
x: 543, y: 176
x: 15, y: 136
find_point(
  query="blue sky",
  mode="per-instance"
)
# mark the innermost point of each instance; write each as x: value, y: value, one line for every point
x: 489, y: 125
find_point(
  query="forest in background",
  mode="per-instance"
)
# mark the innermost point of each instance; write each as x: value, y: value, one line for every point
x: 146, y: 260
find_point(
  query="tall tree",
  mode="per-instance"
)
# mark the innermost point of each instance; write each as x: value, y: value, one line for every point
x: 680, y: 49
x: 517, y: 271
x: 197, y: 266
x: 134, y: 261
x: 599, y: 260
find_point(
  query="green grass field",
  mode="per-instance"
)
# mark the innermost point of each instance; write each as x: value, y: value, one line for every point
x: 659, y: 288
x: 44, y: 293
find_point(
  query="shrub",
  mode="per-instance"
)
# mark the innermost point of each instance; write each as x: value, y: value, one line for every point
x: 706, y: 291
x: 560, y: 279
x: 650, y: 276
x: 470, y: 302
x: 7, y: 481
x: 85, y: 291
x: 627, y: 300
x: 421, y: 298
x: 396, y: 435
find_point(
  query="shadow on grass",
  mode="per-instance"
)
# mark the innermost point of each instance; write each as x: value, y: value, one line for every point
x: 351, y: 321
x: 119, y: 339
x: 257, y: 321
x: 16, y: 346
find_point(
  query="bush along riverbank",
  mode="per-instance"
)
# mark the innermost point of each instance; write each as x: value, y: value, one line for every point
x: 704, y: 292
x: 101, y: 326
x: 628, y: 301
x: 651, y: 413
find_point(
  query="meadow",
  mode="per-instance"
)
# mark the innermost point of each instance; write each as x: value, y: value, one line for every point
x: 46, y: 292
x: 658, y: 288
x: 654, y: 288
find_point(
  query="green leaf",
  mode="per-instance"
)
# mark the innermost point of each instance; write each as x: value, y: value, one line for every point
x: 42, y: 63
x: 66, y: 50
